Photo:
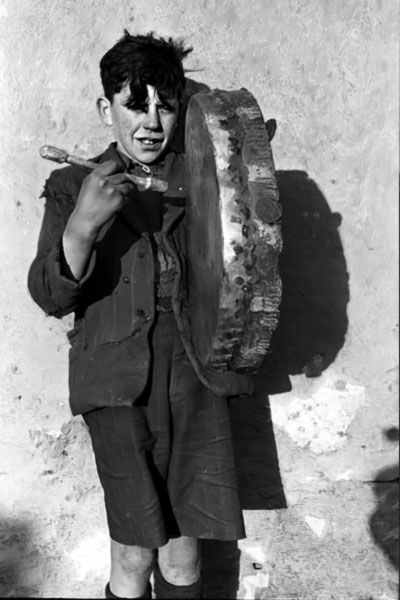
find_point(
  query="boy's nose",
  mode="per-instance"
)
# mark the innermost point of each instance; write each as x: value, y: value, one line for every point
x: 152, y: 120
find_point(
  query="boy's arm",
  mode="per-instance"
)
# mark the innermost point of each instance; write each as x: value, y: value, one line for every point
x: 51, y: 281
x: 77, y: 244
x: 65, y: 257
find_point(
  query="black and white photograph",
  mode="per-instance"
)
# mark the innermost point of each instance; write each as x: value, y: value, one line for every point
x: 199, y: 299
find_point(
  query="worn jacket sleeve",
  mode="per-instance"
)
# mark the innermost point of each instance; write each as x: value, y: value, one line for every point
x: 50, y: 282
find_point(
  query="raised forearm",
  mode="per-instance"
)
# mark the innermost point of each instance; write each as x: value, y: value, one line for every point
x: 51, y: 282
x: 66, y: 254
x: 78, y: 241
x: 102, y: 194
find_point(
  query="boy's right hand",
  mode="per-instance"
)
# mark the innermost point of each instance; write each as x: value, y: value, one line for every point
x: 102, y: 194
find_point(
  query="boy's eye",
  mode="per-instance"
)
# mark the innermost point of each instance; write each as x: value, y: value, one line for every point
x: 166, y: 107
x: 135, y: 107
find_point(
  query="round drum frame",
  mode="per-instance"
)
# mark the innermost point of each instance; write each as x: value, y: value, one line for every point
x: 233, y: 230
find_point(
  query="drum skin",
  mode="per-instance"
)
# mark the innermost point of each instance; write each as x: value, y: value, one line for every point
x: 233, y: 230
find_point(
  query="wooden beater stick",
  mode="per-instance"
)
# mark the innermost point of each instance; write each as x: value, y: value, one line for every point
x: 62, y: 156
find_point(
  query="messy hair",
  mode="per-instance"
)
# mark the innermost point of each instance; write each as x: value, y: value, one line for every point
x: 140, y: 60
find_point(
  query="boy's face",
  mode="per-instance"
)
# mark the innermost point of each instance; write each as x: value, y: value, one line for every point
x: 142, y: 133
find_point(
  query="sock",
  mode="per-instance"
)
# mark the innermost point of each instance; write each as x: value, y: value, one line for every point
x: 146, y: 595
x: 165, y: 590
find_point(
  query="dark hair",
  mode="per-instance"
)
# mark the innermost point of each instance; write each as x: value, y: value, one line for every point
x: 138, y: 60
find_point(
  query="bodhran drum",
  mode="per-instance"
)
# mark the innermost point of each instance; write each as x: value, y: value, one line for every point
x: 233, y: 231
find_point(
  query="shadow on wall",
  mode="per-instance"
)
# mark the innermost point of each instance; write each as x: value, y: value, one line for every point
x: 384, y: 522
x: 311, y: 331
x: 15, y: 541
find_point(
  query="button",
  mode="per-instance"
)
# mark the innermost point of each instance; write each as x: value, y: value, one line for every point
x: 141, y: 254
x: 140, y: 312
x: 126, y: 279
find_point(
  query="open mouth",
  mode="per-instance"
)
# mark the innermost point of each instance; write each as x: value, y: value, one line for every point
x: 150, y: 143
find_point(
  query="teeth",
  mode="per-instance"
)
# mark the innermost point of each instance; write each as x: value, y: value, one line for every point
x: 149, y: 142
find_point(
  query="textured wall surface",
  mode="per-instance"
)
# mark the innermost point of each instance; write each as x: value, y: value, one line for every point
x: 326, y: 70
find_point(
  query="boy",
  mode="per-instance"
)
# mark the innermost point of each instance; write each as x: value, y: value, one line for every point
x: 114, y: 256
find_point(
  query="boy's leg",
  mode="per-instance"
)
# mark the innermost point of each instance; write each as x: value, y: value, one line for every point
x: 131, y: 567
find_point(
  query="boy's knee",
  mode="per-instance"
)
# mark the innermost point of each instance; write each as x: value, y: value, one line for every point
x: 132, y: 559
x: 179, y: 561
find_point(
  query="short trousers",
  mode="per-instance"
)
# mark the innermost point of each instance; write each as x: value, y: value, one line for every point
x: 166, y: 464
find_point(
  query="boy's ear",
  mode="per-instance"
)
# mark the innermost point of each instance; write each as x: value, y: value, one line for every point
x: 104, y: 110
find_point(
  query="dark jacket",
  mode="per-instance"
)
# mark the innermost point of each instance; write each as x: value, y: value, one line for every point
x: 114, y: 302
